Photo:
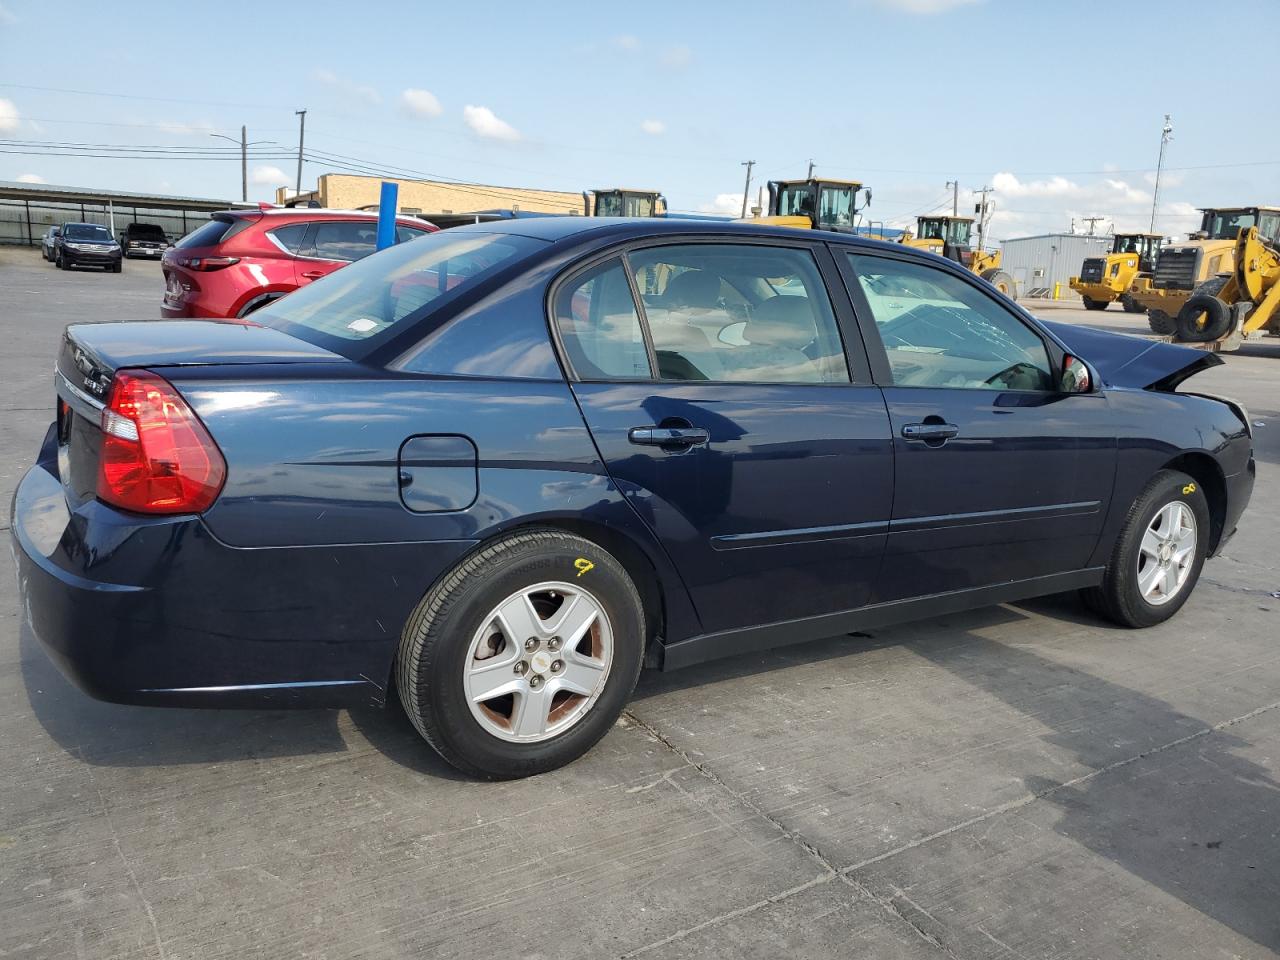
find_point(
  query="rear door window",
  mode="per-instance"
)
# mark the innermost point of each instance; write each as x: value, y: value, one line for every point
x: 344, y: 239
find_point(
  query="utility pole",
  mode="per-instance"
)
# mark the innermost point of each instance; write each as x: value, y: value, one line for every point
x: 809, y: 176
x: 302, y: 129
x: 1091, y: 221
x: 982, y: 217
x: 746, y: 191
x: 1166, y: 134
x: 244, y: 158
x: 955, y: 197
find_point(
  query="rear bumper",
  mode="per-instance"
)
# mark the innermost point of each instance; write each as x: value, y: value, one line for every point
x: 158, y: 611
x: 1094, y: 291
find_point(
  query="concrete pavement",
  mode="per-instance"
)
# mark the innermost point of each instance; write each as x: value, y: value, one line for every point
x: 1020, y: 781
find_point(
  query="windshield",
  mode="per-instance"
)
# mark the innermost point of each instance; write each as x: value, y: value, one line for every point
x: 86, y: 231
x: 795, y: 201
x: 837, y: 207
x: 609, y: 204
x: 369, y: 299
x: 946, y: 230
x: 1227, y: 224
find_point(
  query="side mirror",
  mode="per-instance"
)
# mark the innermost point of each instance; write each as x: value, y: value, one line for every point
x: 1075, y: 376
x: 866, y: 198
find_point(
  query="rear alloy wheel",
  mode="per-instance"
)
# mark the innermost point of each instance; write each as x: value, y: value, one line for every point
x: 522, y: 657
x: 1158, y: 555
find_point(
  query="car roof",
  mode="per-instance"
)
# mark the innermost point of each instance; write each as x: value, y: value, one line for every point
x: 555, y: 229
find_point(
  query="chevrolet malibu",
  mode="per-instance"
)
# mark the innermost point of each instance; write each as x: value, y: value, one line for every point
x: 502, y: 468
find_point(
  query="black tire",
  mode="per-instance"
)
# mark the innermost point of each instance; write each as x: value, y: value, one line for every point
x: 1002, y: 282
x: 58, y: 261
x: 1118, y: 598
x: 1130, y: 305
x: 1204, y: 303
x: 117, y: 267
x: 1090, y: 304
x: 437, y: 638
x: 1161, y: 323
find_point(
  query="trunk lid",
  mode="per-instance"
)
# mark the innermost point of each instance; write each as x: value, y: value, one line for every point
x: 1135, y: 362
x: 91, y: 353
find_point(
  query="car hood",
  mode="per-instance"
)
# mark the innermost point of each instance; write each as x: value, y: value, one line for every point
x: 1135, y: 362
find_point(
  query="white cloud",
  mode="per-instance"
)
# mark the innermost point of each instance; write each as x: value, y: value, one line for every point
x: 421, y: 103
x: 268, y: 176
x: 1024, y: 208
x: 729, y: 204
x: 676, y: 57
x: 627, y: 41
x: 9, y: 116
x: 31, y: 178
x: 925, y: 7
x: 653, y: 127
x: 486, y: 124
x: 6, y: 16
x: 361, y: 91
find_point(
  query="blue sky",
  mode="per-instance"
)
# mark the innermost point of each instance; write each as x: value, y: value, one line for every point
x: 1058, y: 105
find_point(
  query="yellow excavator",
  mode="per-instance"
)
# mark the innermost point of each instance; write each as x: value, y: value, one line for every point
x: 1103, y: 280
x: 1226, y: 310
x: 1209, y: 252
x: 950, y: 237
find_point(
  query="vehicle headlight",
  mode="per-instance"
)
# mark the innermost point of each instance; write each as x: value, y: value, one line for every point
x: 79, y: 246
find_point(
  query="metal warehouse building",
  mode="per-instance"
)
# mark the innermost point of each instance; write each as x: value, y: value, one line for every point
x: 1038, y: 263
x: 27, y: 210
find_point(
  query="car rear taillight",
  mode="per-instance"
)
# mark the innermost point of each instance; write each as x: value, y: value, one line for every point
x: 208, y: 263
x: 157, y: 457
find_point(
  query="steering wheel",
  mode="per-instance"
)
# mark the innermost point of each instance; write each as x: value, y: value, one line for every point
x: 1007, y: 372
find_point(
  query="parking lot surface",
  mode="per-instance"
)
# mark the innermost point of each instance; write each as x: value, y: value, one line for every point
x: 1019, y: 781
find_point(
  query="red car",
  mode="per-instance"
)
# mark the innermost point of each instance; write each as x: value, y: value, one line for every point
x: 243, y: 259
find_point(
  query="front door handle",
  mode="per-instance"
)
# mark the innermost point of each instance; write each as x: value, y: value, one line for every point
x: 313, y: 274
x: 668, y: 436
x: 929, y: 431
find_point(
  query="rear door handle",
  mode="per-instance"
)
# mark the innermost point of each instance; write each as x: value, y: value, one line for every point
x: 929, y: 431
x: 313, y: 274
x: 668, y: 436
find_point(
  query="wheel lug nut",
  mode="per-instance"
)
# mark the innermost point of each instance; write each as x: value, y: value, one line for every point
x: 555, y: 643
x: 535, y: 681
x: 531, y: 643
x: 521, y: 668
x: 557, y: 666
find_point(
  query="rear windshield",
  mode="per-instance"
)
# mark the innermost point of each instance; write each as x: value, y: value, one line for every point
x: 355, y: 308
x: 86, y: 231
x: 209, y: 235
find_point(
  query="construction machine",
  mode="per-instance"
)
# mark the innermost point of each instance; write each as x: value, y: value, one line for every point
x: 1207, y: 253
x: 950, y: 237
x: 1226, y: 310
x: 1105, y: 279
x: 816, y: 204
x: 621, y: 202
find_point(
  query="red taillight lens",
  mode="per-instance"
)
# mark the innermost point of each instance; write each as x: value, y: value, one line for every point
x: 157, y: 457
x: 206, y: 264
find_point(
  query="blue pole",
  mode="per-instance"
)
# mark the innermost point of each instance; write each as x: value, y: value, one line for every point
x: 387, y: 215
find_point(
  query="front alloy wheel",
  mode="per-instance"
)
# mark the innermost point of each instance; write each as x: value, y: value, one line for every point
x: 1167, y: 552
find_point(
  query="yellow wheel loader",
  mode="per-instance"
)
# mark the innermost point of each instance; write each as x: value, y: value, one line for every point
x: 1103, y: 280
x: 1227, y: 310
x: 815, y: 204
x: 1208, y: 252
x: 950, y: 237
x: 620, y: 202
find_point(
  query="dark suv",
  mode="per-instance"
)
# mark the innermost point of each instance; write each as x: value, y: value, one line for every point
x: 86, y: 244
x: 143, y: 240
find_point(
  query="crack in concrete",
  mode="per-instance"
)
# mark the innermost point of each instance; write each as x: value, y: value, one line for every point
x: 845, y: 875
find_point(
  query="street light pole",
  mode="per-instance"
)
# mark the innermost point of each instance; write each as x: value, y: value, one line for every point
x: 302, y: 129
x: 1166, y: 134
x: 955, y: 197
x: 244, y: 158
x: 746, y: 191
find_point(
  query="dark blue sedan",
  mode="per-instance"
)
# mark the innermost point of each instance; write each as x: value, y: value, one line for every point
x: 503, y: 467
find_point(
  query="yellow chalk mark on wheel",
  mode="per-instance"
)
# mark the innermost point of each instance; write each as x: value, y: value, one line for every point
x: 1189, y: 488
x: 582, y: 565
